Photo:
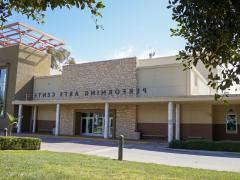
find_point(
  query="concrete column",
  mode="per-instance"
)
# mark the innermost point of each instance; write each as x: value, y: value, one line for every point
x: 177, y: 128
x: 34, y: 118
x: 106, y: 121
x: 170, y: 121
x: 57, y: 122
x: 20, y: 106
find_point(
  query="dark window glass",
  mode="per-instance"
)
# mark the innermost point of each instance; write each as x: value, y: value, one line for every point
x: 231, y: 123
x: 83, y: 125
x: 3, y: 81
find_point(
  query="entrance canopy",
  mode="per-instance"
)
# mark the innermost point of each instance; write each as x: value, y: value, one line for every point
x: 19, y: 33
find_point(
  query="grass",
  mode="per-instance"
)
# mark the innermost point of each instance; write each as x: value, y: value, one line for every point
x: 53, y: 165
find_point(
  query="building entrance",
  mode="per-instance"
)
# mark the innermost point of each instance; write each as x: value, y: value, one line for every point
x: 92, y: 124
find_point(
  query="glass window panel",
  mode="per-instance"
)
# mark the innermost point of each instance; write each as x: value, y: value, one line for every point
x: 90, y: 125
x: 98, y: 126
x: 83, y: 125
x: 231, y: 123
x: 3, y: 81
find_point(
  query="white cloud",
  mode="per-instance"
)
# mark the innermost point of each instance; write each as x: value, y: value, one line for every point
x: 128, y: 51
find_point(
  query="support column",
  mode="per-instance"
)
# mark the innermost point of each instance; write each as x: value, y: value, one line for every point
x: 106, y: 121
x: 57, y: 120
x: 177, y: 128
x: 34, y: 118
x: 170, y: 121
x: 19, y: 118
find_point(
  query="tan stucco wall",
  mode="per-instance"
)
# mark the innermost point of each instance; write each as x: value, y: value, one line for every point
x: 23, y: 63
x: 198, y: 84
x: 196, y: 113
x: 157, y: 61
x: 190, y: 113
x: 47, y: 84
x: 220, y: 112
x: 152, y: 113
x: 46, y: 113
x: 125, y: 118
x: 172, y: 60
x: 165, y: 80
x: 8, y: 58
x: 31, y: 63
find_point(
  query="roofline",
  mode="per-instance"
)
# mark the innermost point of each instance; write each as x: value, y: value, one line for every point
x: 196, y: 98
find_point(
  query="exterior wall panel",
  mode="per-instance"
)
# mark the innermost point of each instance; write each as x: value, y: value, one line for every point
x: 152, y: 113
x: 9, y: 58
x: 46, y: 118
x: 31, y: 63
x: 168, y: 80
x: 219, y: 120
x: 198, y: 84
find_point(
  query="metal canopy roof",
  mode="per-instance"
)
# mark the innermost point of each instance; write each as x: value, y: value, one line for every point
x: 19, y: 33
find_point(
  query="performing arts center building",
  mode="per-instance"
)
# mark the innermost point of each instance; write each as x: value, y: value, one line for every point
x: 137, y: 98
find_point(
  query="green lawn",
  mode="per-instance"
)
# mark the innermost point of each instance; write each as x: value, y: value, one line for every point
x: 51, y: 165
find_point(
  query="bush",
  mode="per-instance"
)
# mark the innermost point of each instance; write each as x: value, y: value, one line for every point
x: 19, y: 143
x: 233, y: 146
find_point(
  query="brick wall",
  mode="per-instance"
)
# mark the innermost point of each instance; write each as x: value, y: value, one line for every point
x: 104, y: 75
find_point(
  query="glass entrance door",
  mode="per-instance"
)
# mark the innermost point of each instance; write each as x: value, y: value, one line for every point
x: 98, y: 125
x: 93, y: 124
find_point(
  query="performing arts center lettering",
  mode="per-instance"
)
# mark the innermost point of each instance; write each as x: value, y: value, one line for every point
x: 91, y: 93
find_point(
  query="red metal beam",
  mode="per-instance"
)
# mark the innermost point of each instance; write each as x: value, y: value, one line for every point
x: 38, y: 40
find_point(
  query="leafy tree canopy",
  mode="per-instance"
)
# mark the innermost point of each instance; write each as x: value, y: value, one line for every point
x: 60, y: 57
x: 35, y: 9
x: 211, y: 29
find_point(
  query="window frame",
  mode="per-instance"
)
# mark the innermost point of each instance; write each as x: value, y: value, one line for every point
x: 6, y: 90
x: 231, y: 132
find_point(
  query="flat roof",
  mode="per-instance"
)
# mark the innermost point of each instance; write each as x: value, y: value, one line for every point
x: 20, y: 33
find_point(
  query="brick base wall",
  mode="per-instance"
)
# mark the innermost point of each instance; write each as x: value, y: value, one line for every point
x: 125, y: 118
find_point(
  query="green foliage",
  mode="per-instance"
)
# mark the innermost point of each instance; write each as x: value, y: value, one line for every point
x: 211, y: 30
x: 11, y: 119
x: 71, y: 60
x: 233, y: 146
x: 19, y: 143
x: 12, y: 122
x: 60, y: 56
x: 36, y: 9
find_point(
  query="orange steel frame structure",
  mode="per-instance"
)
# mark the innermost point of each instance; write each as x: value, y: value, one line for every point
x: 19, y: 33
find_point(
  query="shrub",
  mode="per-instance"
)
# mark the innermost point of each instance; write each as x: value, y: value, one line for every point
x: 19, y: 143
x: 233, y: 146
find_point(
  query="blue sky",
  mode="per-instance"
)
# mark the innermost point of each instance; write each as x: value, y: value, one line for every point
x: 131, y: 28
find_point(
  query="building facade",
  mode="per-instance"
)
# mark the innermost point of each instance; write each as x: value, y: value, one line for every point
x: 148, y: 98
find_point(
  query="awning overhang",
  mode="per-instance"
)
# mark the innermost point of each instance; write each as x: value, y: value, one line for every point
x: 180, y: 99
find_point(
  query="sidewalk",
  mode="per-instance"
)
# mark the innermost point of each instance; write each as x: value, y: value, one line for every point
x: 149, y: 152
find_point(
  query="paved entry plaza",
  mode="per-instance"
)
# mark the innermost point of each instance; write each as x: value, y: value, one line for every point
x: 142, y: 151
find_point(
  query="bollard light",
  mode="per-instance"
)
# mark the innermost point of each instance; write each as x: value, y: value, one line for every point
x: 5, y: 132
x: 120, y: 148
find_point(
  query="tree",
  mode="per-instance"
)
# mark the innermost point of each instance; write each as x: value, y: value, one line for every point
x: 35, y: 9
x: 60, y: 57
x: 211, y: 29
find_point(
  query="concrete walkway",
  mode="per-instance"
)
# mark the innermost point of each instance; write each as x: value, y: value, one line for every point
x: 149, y: 152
